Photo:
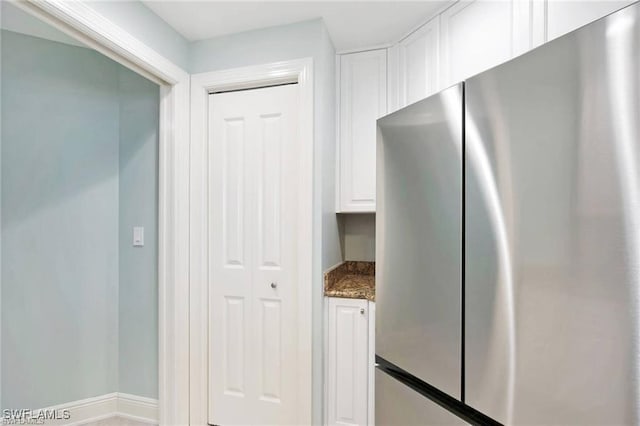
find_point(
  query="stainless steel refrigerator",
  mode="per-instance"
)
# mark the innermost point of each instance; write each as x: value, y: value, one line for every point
x: 508, y: 249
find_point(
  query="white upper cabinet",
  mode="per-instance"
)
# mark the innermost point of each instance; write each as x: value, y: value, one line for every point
x: 363, y: 99
x: 465, y: 39
x: 417, y: 57
x: 565, y: 16
x: 477, y: 35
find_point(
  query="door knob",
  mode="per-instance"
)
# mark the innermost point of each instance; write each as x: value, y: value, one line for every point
x: 362, y: 311
x: 274, y: 285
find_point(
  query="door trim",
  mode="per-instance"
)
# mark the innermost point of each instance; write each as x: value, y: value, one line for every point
x: 295, y: 71
x: 85, y: 24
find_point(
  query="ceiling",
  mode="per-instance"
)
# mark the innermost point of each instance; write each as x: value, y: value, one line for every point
x: 351, y: 24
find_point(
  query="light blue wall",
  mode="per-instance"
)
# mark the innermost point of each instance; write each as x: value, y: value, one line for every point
x: 17, y: 20
x: 59, y: 222
x: 308, y: 39
x: 79, y: 310
x: 138, y: 306
x: 139, y: 21
x: 1, y: 16
x: 299, y: 40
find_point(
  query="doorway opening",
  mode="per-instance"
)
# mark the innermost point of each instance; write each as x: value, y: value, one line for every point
x: 79, y: 234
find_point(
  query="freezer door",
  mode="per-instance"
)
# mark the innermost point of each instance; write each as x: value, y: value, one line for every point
x: 552, y: 231
x: 418, y: 239
x: 399, y: 405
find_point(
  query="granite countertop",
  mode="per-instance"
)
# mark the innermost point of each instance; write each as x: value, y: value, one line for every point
x: 353, y: 280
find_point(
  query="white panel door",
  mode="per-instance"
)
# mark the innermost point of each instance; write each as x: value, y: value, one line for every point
x: 363, y: 99
x: 418, y: 57
x: 477, y: 35
x: 348, y: 362
x: 252, y: 264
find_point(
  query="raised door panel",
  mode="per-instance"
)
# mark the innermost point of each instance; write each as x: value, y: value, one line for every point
x: 233, y: 192
x: 270, y: 182
x: 418, y: 59
x: 477, y: 35
x: 348, y: 362
x: 233, y: 346
x: 231, y: 257
x: 269, y: 327
x: 363, y: 99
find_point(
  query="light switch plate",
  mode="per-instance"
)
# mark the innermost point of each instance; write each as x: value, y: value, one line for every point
x: 138, y: 236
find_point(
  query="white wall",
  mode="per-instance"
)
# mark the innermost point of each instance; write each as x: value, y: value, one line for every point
x: 296, y: 41
x: 59, y: 222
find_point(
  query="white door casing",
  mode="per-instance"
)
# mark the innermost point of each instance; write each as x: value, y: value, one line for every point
x: 300, y: 71
x: 253, y: 277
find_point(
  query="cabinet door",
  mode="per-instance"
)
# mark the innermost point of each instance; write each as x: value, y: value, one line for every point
x: 348, y: 362
x: 363, y: 99
x: 418, y: 63
x: 565, y: 16
x: 371, y: 401
x: 477, y: 35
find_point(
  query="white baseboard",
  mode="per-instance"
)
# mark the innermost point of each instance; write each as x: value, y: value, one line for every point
x: 138, y: 408
x: 94, y: 409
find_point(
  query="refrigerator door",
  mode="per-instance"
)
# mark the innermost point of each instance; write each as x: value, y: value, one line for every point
x: 419, y: 239
x: 552, y: 235
x: 398, y: 404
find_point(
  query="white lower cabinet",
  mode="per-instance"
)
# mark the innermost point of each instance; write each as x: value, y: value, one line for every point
x: 349, y: 361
